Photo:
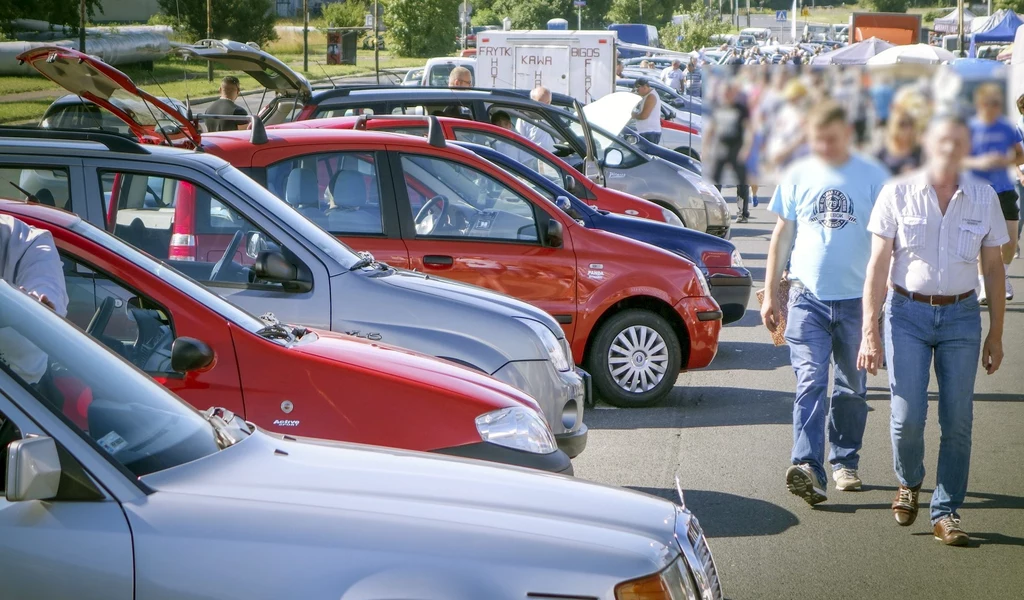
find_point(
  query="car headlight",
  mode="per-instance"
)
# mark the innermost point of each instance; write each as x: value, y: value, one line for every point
x: 671, y: 218
x: 517, y: 427
x: 673, y: 583
x: 704, y: 287
x: 737, y: 258
x: 555, y: 350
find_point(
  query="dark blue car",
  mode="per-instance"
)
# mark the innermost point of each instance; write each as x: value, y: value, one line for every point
x: 718, y: 259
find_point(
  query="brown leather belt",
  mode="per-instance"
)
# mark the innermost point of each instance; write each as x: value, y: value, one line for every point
x: 932, y: 300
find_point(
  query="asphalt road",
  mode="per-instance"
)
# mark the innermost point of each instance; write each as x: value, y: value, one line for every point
x: 727, y: 432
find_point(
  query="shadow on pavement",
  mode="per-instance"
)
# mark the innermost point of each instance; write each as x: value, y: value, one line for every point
x: 745, y: 232
x: 974, y: 501
x: 701, y: 407
x: 728, y: 515
x: 749, y: 356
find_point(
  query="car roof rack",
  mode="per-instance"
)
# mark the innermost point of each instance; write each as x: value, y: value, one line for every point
x: 344, y: 91
x: 435, y: 135
x: 114, y: 142
x: 258, y: 136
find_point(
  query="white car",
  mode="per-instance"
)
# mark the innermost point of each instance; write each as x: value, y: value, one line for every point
x: 437, y: 70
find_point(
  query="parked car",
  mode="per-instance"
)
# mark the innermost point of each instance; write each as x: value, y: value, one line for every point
x: 155, y: 500
x: 690, y: 104
x: 437, y: 70
x: 75, y: 112
x: 413, y: 77
x: 147, y: 195
x: 718, y: 259
x: 210, y: 352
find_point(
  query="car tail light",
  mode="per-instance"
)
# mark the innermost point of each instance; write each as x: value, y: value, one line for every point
x: 716, y: 259
x: 183, y: 239
x: 306, y: 112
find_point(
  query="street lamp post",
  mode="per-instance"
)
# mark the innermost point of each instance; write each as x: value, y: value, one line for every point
x: 305, y: 36
x: 209, y: 36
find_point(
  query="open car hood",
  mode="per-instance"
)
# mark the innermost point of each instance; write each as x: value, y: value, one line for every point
x: 612, y: 112
x: 270, y: 72
x: 92, y: 79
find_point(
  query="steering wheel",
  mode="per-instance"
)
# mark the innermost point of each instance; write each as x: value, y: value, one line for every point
x: 229, y: 253
x: 99, y: 320
x: 425, y: 211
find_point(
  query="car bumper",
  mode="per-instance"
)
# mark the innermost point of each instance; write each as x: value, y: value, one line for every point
x: 574, y: 442
x: 732, y: 294
x: 561, y: 396
x: 703, y: 319
x: 552, y: 462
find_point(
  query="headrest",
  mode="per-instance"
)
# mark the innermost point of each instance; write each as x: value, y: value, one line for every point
x: 301, y: 189
x: 349, y: 190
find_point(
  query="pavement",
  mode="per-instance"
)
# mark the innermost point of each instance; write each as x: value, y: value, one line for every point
x: 727, y: 432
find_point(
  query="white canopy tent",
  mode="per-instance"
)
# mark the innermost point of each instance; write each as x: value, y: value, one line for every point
x: 949, y: 24
x: 914, y: 54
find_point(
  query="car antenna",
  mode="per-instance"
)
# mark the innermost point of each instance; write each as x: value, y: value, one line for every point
x: 324, y: 69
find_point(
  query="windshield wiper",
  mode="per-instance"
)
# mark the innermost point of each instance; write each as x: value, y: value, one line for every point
x: 226, y: 430
x: 365, y: 260
x: 274, y: 329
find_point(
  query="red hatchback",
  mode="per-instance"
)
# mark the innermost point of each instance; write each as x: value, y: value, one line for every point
x: 289, y: 380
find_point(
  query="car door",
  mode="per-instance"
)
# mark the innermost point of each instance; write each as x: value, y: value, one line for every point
x: 470, y: 225
x: 348, y: 193
x: 64, y: 547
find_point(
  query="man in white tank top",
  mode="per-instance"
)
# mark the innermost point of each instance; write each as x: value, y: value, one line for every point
x: 648, y: 112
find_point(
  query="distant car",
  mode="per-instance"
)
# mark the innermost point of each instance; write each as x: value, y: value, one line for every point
x: 437, y: 70
x: 152, y: 499
x: 74, y: 112
x: 476, y: 30
x: 413, y: 77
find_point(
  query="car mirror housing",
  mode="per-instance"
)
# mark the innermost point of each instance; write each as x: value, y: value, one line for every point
x: 33, y: 469
x: 190, y: 354
x: 555, y: 234
x: 632, y: 138
x: 254, y: 244
x: 563, y: 203
x: 613, y: 158
x: 272, y: 265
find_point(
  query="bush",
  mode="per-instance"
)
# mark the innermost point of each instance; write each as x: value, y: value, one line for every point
x: 238, y: 20
x: 896, y: 6
x: 344, y: 14
x: 162, y: 19
x: 695, y: 32
x: 422, y: 28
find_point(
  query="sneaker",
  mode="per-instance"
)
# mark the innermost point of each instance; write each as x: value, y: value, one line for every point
x: 846, y: 479
x: 904, y: 507
x: 1009, y: 288
x: 801, y: 481
x: 754, y: 201
x: 741, y: 219
x: 947, y: 530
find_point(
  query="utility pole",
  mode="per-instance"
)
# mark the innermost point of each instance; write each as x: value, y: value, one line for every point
x: 960, y: 27
x: 305, y: 36
x: 81, y: 28
x: 463, y: 17
x: 641, y: 10
x: 209, y: 35
x: 579, y: 18
x: 376, y: 41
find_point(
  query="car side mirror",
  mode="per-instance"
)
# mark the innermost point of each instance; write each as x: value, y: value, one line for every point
x: 563, y: 203
x: 613, y: 158
x: 271, y: 265
x: 555, y: 234
x: 571, y: 185
x: 190, y: 354
x: 254, y: 244
x: 33, y: 469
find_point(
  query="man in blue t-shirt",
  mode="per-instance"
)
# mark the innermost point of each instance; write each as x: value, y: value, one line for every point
x: 823, y: 204
x: 995, y: 151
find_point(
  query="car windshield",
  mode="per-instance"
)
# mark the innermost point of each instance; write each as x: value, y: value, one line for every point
x: 129, y: 416
x: 604, y: 142
x: 306, y: 229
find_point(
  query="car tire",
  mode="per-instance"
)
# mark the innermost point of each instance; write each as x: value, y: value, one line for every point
x: 645, y: 339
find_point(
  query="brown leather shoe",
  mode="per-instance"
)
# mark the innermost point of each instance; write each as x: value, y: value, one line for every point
x: 904, y: 507
x: 947, y: 530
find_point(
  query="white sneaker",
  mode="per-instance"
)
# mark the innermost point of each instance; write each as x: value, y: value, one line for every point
x: 1009, y: 288
x: 846, y: 479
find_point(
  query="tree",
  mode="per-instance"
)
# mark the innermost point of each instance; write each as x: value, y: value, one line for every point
x: 533, y: 14
x: 239, y: 20
x: 656, y: 12
x: 344, y: 14
x: 422, y: 28
x: 485, y: 16
x: 695, y: 32
x: 55, y: 12
x: 899, y: 6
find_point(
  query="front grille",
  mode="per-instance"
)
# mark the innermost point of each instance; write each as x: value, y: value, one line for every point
x: 718, y: 231
x: 707, y: 562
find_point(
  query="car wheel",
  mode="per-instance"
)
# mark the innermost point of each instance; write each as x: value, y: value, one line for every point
x: 634, y: 359
x: 688, y: 151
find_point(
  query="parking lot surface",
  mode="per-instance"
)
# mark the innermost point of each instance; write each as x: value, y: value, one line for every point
x: 727, y: 432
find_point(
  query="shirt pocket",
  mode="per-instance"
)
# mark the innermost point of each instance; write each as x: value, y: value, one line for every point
x: 913, y: 230
x: 968, y: 241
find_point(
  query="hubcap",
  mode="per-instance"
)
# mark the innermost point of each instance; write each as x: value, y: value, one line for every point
x: 638, y: 359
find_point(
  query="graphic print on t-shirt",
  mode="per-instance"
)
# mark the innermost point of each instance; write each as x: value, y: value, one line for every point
x: 833, y: 210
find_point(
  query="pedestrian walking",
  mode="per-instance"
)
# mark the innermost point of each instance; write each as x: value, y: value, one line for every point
x: 901, y: 148
x: 733, y: 136
x: 648, y: 112
x: 996, y: 150
x: 823, y: 204
x: 692, y: 79
x: 930, y: 228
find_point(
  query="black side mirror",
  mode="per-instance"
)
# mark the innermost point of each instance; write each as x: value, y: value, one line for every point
x: 190, y: 354
x: 273, y: 266
x: 571, y: 185
x: 563, y: 203
x: 555, y: 233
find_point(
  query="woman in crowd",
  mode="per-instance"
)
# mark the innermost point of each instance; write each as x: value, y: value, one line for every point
x: 901, y: 148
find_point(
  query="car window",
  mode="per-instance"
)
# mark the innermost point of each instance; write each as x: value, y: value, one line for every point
x: 604, y: 143
x: 515, y: 150
x: 84, y: 116
x: 184, y: 224
x: 339, y: 191
x: 330, y: 113
x: 126, y: 414
x: 439, y: 74
x: 135, y: 327
x: 451, y: 200
x: 45, y: 185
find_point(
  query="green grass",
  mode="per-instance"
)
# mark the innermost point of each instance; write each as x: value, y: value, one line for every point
x: 20, y: 113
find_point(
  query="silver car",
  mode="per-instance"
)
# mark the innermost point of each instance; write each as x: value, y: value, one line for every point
x: 151, y: 499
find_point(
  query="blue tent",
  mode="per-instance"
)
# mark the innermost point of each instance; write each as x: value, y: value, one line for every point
x: 998, y: 28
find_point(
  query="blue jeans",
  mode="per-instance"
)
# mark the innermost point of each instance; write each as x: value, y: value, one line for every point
x: 915, y: 333
x: 653, y: 137
x: 821, y: 334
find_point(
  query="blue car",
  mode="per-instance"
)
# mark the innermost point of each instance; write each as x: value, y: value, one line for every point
x: 718, y: 259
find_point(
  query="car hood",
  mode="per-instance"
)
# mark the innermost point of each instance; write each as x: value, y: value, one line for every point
x: 612, y: 112
x: 270, y: 72
x: 92, y: 79
x: 396, y: 363
x: 689, y: 243
x: 455, y: 499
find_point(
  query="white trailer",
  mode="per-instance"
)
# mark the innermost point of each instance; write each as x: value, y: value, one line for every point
x: 580, y: 64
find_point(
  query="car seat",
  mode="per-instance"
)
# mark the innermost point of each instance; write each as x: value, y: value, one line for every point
x: 350, y: 212
x: 45, y: 197
x: 302, y: 192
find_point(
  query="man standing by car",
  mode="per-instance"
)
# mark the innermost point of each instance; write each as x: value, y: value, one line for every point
x: 823, y: 204
x: 533, y: 132
x: 691, y: 79
x: 230, y: 88
x: 29, y: 261
x: 673, y: 75
x: 930, y: 227
x: 460, y: 77
x: 648, y: 112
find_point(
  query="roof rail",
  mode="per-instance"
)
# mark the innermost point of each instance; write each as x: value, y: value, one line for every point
x: 435, y: 135
x: 259, y: 132
x: 114, y: 142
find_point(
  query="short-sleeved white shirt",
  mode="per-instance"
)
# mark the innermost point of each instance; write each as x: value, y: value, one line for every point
x: 936, y: 254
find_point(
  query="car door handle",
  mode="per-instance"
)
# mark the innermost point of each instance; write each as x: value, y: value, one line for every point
x: 438, y: 261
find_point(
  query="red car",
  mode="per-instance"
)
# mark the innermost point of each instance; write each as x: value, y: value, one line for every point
x: 510, y: 143
x: 289, y: 380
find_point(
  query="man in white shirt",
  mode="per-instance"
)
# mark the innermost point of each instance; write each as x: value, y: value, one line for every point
x: 29, y: 260
x: 531, y: 131
x: 673, y: 76
x: 930, y: 227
